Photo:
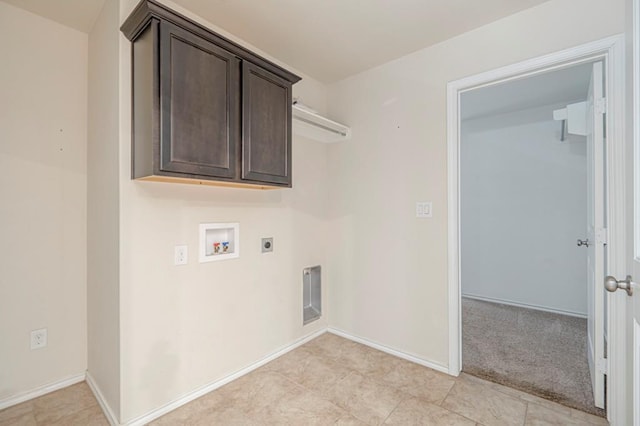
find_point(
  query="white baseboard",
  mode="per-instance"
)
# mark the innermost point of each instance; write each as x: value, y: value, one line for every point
x: 525, y: 305
x: 161, y: 411
x: 409, y: 357
x: 106, y: 409
x: 41, y: 390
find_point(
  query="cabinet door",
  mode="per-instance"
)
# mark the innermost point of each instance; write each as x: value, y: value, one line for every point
x: 266, y: 126
x: 200, y: 97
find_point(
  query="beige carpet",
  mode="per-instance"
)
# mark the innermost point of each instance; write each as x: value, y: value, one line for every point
x: 541, y: 353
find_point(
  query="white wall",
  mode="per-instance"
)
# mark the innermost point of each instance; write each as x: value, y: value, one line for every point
x: 43, y: 114
x: 103, y: 239
x: 523, y: 205
x: 387, y: 269
x: 183, y: 327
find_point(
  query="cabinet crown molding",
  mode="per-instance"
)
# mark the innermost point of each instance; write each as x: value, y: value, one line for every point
x: 147, y: 10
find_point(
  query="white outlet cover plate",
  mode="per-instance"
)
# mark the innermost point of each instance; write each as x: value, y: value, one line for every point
x: 424, y: 209
x: 39, y: 338
x: 181, y: 255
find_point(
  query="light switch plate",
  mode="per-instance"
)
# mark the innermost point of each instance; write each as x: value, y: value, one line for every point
x: 424, y: 209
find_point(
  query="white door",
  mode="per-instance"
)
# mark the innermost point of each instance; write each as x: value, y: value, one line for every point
x: 633, y: 224
x: 632, y: 230
x: 634, y: 316
x: 595, y: 233
x: 627, y: 287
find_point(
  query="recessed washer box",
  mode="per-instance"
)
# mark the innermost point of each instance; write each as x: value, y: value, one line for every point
x: 219, y: 241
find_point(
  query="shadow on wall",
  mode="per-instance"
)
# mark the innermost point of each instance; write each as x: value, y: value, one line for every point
x: 159, y: 376
x: 206, y: 194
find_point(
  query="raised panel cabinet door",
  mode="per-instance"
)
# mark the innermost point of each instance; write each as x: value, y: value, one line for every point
x: 199, y: 105
x: 266, y: 126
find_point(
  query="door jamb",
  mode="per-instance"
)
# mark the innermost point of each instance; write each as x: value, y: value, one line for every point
x: 611, y: 50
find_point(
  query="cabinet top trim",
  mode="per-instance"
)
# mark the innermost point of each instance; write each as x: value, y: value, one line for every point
x: 148, y: 9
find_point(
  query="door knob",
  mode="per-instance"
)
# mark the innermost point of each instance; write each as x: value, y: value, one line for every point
x: 585, y: 243
x: 611, y: 284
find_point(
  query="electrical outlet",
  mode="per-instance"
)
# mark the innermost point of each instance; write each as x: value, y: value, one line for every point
x: 38, y: 338
x: 267, y: 245
x: 180, y: 255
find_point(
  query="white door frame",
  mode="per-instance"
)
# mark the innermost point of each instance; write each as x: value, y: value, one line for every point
x: 611, y: 51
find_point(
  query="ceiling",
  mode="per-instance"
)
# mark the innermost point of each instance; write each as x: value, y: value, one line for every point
x: 556, y: 87
x: 325, y: 39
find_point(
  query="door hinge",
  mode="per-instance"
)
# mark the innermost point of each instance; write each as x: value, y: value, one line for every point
x: 602, y: 236
x: 601, y: 105
x: 603, y: 366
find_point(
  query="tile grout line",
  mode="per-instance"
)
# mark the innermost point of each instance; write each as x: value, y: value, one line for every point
x: 352, y: 371
x: 406, y: 395
x: 396, y: 407
x: 498, y: 388
x: 455, y: 382
x: 315, y: 393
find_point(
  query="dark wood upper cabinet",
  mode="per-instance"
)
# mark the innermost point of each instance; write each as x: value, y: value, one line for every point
x: 266, y: 132
x: 199, y: 99
x: 205, y: 110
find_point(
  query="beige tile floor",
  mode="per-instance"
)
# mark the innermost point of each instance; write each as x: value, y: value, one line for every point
x: 329, y: 380
x: 74, y: 405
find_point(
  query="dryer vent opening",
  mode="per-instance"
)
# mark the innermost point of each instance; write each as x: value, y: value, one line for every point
x: 311, y: 294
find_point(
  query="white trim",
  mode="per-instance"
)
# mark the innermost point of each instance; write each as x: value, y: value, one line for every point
x: 636, y: 122
x: 635, y: 401
x: 554, y: 61
x: 591, y: 358
x: 41, y: 390
x: 106, y: 409
x: 453, y: 221
x: 190, y: 396
x: 612, y: 50
x: 636, y: 377
x: 525, y: 305
x: 390, y: 351
x: 617, y: 225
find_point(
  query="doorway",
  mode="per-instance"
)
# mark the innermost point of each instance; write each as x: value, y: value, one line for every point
x: 610, y: 52
x: 524, y: 198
